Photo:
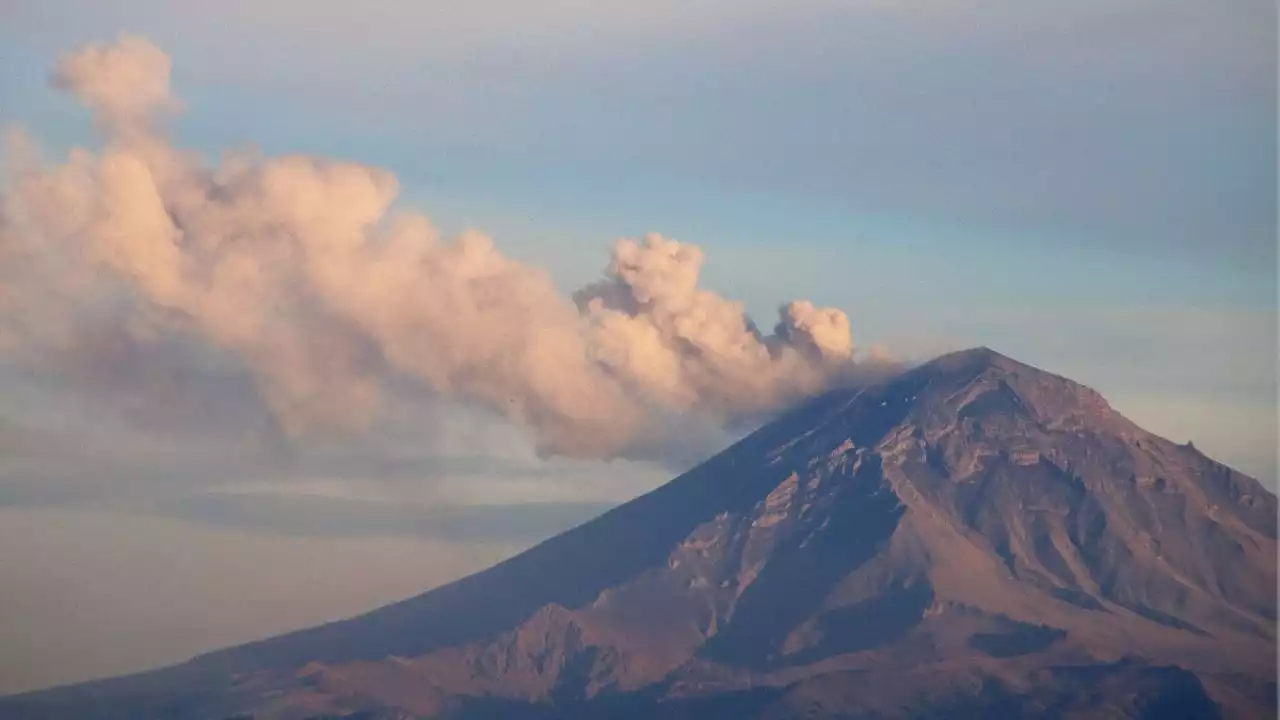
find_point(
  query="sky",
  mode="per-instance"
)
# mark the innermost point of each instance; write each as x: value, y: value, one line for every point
x: 1088, y: 187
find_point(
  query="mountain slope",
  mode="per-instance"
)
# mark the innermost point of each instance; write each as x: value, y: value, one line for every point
x: 971, y: 537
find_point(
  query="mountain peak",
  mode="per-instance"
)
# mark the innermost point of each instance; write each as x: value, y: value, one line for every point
x: 978, y: 360
x: 979, y: 354
x: 973, y: 522
x: 979, y: 381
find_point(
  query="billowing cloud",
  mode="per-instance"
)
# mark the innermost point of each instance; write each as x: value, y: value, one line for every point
x: 297, y: 269
x: 124, y: 83
x: 690, y: 349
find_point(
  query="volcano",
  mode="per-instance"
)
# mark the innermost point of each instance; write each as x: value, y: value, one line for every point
x: 973, y: 537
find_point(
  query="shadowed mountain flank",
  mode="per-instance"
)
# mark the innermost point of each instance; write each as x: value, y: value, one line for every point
x: 971, y: 538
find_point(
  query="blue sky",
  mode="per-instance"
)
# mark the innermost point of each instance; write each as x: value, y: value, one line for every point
x: 1089, y: 187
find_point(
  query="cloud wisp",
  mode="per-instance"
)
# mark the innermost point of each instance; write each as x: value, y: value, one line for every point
x: 297, y: 271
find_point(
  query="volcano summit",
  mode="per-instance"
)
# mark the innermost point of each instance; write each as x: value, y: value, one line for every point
x: 971, y: 538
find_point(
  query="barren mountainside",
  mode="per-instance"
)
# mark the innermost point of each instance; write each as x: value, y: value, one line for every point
x: 971, y: 538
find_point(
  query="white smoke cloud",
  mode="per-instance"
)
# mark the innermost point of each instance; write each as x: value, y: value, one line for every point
x: 297, y: 268
x: 691, y: 350
x: 125, y: 83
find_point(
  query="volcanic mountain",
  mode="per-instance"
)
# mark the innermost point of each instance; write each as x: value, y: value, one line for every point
x: 970, y: 538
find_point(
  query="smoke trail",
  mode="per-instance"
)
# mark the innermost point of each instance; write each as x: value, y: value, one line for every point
x: 296, y: 268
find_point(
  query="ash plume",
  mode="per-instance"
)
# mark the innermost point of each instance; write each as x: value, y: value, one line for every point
x: 297, y: 270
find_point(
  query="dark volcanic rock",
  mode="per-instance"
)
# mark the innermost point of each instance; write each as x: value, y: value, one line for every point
x: 972, y: 538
